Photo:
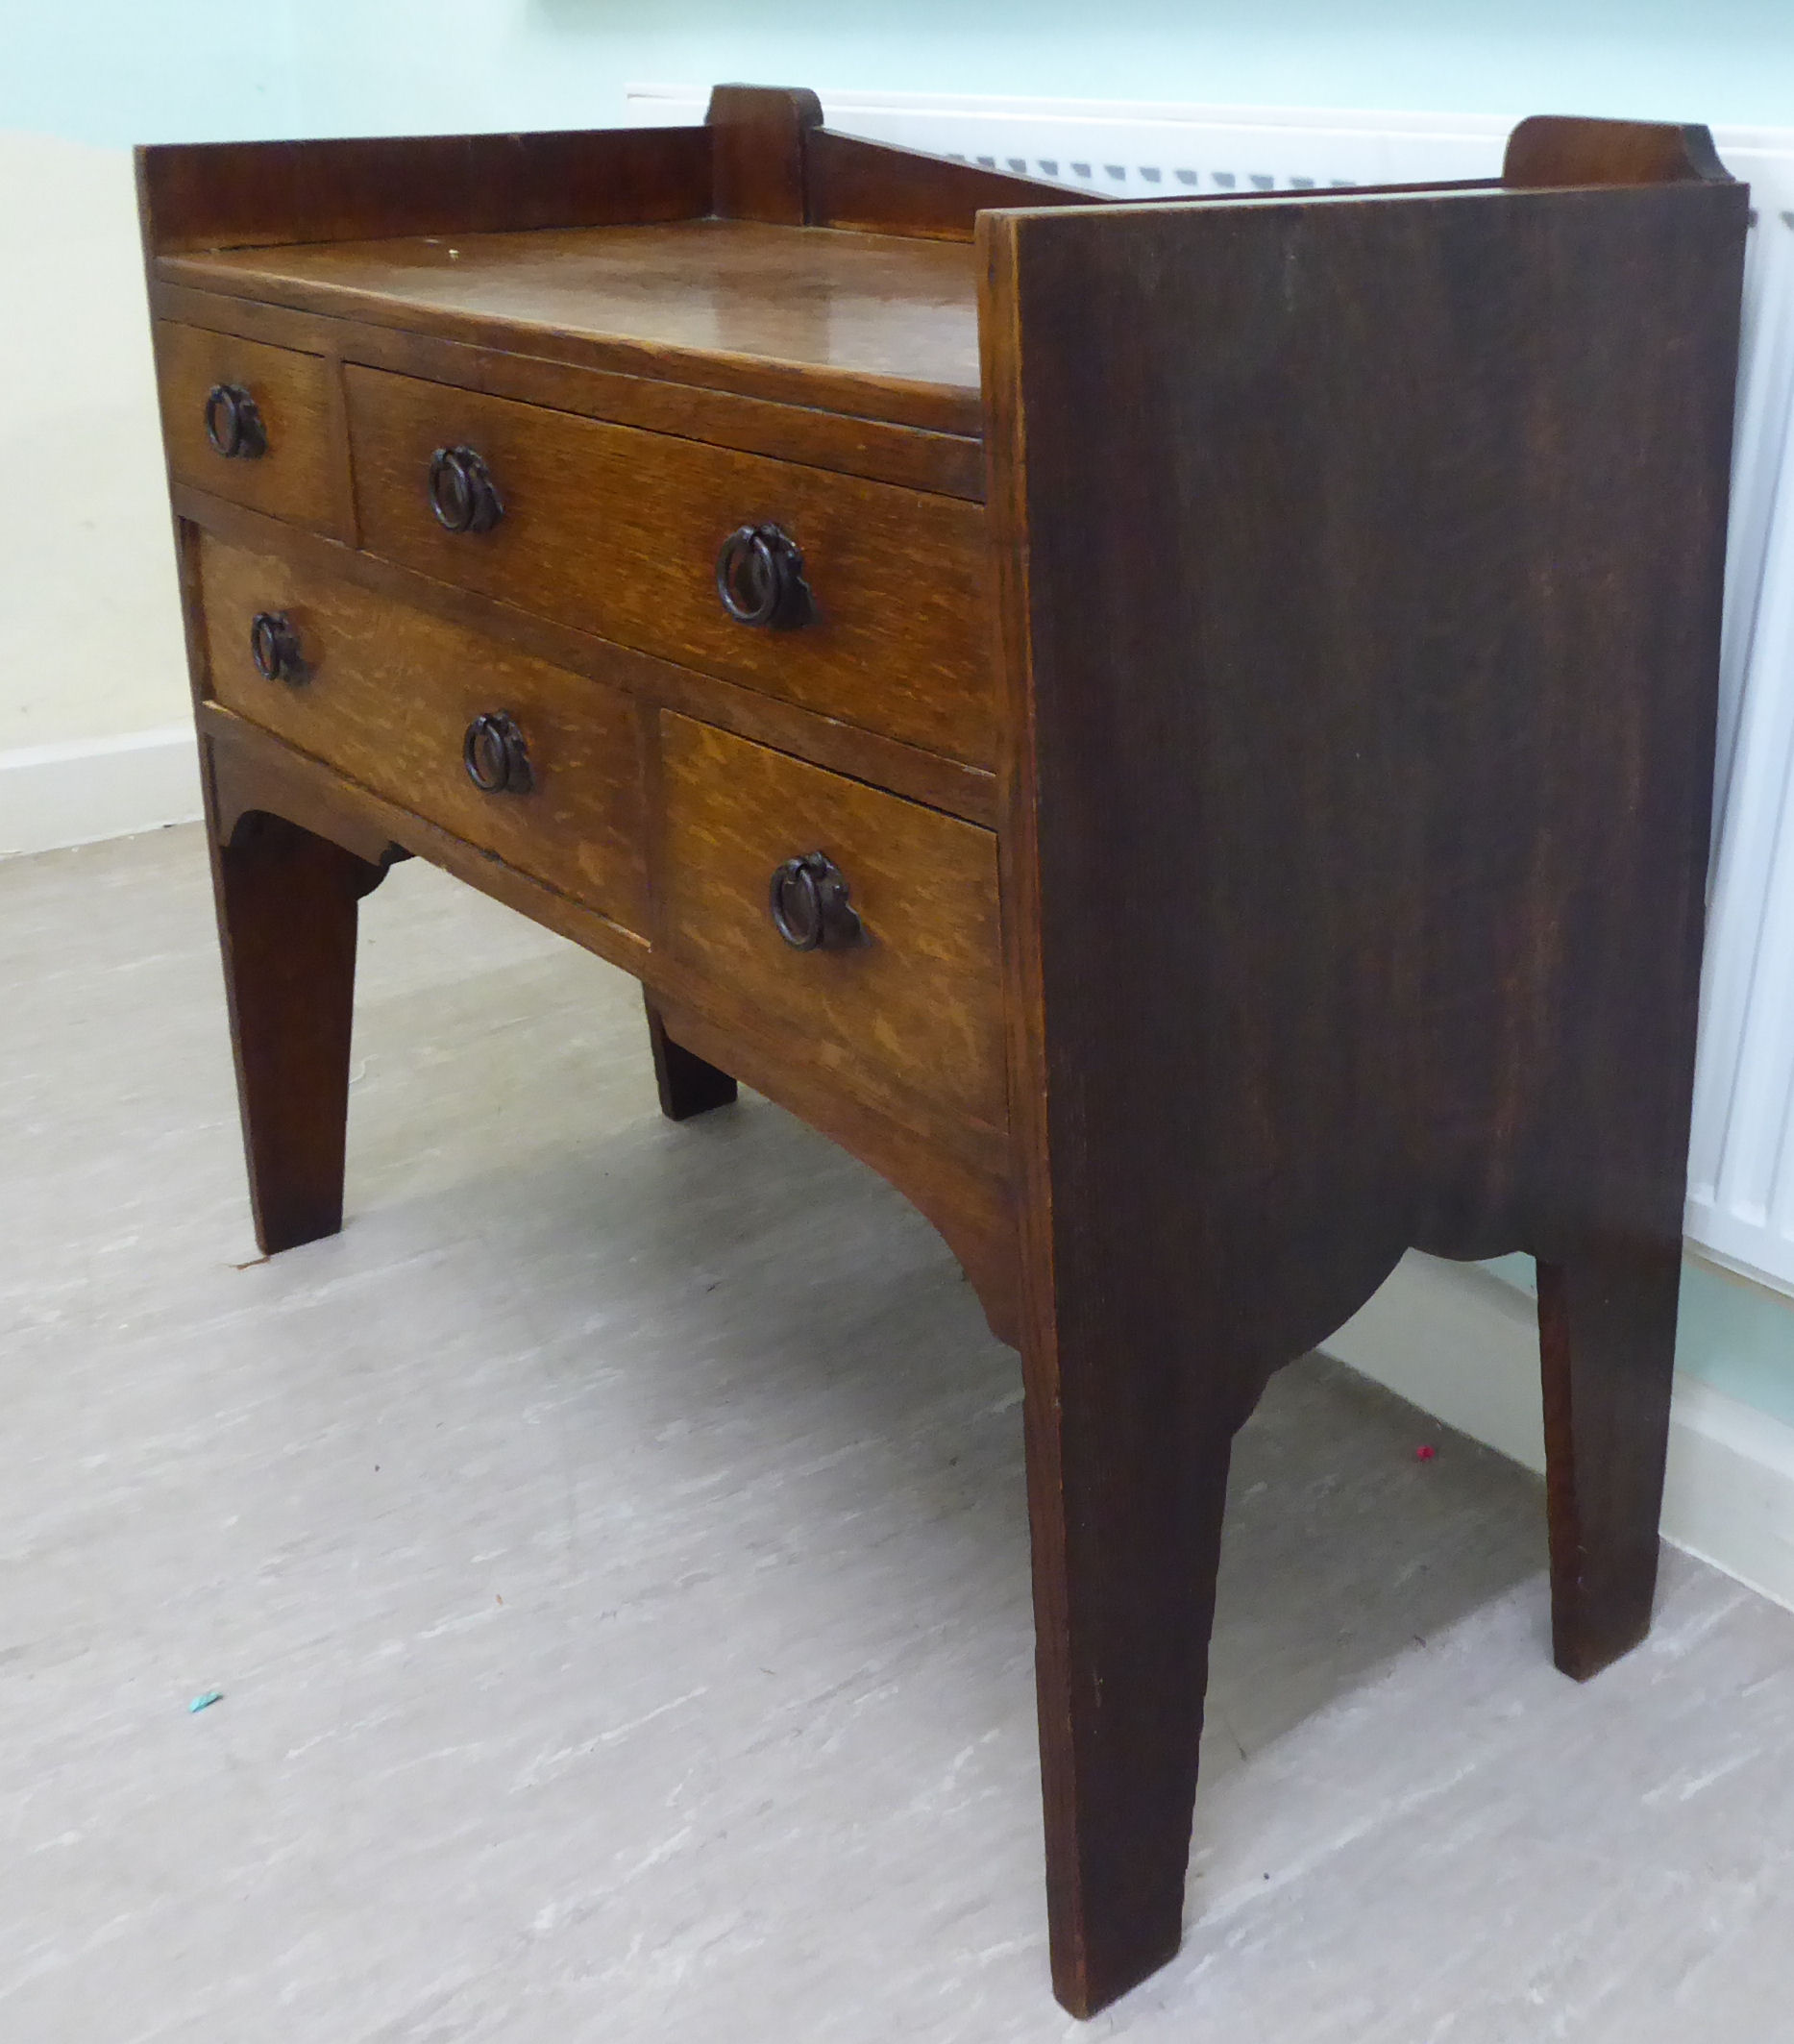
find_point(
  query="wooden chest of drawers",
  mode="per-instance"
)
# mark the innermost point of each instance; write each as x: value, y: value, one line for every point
x: 1181, y: 733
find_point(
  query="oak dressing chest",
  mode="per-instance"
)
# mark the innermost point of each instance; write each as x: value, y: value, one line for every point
x: 1179, y: 733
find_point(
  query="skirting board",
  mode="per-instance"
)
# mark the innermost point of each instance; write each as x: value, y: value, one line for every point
x: 1463, y: 1344
x: 76, y: 794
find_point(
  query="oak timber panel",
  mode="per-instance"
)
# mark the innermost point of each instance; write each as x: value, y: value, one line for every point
x: 913, y: 1013
x: 1354, y: 864
x: 1551, y: 149
x: 211, y: 195
x: 1429, y: 558
x: 616, y: 532
x: 848, y: 748
x: 386, y: 699
x: 950, y: 463
x: 757, y: 151
x: 880, y: 188
x: 873, y: 325
x: 296, y: 477
x: 249, y: 771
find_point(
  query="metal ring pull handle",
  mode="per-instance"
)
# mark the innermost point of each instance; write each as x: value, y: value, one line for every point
x: 495, y: 755
x: 274, y: 647
x: 463, y: 493
x: 760, y: 578
x: 810, y: 906
x: 233, y: 423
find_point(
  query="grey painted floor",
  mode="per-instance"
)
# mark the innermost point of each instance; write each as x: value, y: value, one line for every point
x: 611, y: 1550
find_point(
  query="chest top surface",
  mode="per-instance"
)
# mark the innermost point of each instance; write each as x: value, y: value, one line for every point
x: 716, y: 303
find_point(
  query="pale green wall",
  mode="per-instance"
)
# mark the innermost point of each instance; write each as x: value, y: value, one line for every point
x: 113, y: 71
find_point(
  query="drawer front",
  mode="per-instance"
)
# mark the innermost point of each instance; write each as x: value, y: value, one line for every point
x: 386, y: 693
x: 618, y: 531
x: 293, y: 475
x: 912, y: 1012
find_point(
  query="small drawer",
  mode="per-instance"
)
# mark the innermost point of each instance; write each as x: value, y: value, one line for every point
x: 905, y: 1008
x: 619, y: 531
x: 414, y: 708
x: 249, y: 422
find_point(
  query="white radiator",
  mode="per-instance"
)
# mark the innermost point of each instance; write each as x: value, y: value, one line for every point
x: 1741, y: 1164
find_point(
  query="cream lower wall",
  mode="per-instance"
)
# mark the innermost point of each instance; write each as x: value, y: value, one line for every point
x: 90, y: 644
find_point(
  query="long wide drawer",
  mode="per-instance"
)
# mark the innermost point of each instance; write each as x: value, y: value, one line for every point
x: 250, y: 422
x: 391, y: 697
x: 902, y: 997
x: 619, y: 531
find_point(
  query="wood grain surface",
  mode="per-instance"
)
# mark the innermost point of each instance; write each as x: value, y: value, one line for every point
x: 302, y: 476
x: 954, y: 1171
x: 882, y: 189
x: 866, y: 325
x: 1367, y: 714
x: 214, y: 195
x: 687, y: 1083
x: 250, y: 772
x: 617, y: 532
x: 388, y: 696
x: 849, y: 748
x: 1553, y: 150
x: 759, y: 137
x: 949, y: 464
x: 913, y: 1013
x: 286, y: 927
